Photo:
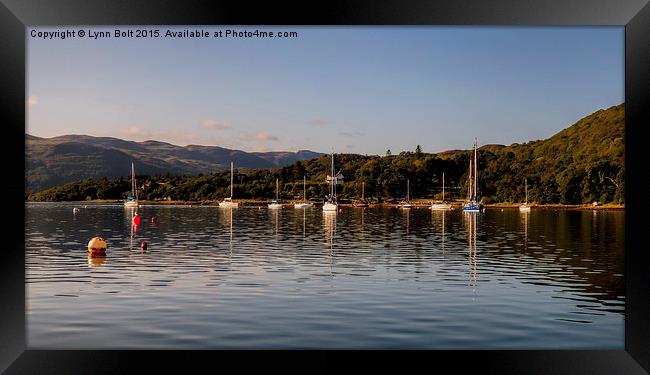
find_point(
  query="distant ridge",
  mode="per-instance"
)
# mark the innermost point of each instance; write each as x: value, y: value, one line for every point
x: 59, y: 160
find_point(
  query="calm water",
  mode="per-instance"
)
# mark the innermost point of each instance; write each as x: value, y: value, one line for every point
x: 365, y: 278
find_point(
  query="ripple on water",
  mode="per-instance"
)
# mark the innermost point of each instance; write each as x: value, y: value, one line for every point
x: 373, y: 278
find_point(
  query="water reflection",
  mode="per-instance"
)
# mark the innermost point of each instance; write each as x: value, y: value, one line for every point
x: 96, y: 260
x: 472, y: 223
x: 524, y: 215
x: 439, y: 215
x: 329, y: 225
x: 539, y: 284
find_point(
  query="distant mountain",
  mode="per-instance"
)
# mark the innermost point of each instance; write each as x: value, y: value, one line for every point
x: 59, y: 160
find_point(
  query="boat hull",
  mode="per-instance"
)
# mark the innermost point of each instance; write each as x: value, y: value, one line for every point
x: 472, y: 207
x: 524, y: 208
x: 229, y: 204
x: 131, y: 204
x: 303, y: 205
x: 275, y: 206
x: 441, y: 206
x: 330, y: 207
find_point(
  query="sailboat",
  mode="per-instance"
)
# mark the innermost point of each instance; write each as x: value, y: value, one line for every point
x: 330, y: 200
x: 362, y: 203
x: 443, y: 205
x: 473, y: 204
x: 132, y: 200
x: 525, y: 206
x: 276, y: 202
x: 227, y: 202
x: 407, y: 202
x: 303, y: 203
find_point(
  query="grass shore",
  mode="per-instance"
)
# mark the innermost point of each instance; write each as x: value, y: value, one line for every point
x: 419, y: 203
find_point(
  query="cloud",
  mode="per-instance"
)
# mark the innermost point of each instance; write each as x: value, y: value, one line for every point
x: 351, y: 134
x: 265, y: 136
x: 319, y: 122
x: 214, y: 124
x: 176, y: 137
x: 32, y: 100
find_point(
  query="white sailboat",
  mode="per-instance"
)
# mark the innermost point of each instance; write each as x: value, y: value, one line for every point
x: 407, y: 202
x: 473, y: 204
x: 525, y: 207
x: 443, y: 205
x: 132, y: 200
x: 330, y: 204
x: 276, y: 202
x: 303, y: 203
x: 227, y: 202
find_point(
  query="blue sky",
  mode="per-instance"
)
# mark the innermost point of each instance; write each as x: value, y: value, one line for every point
x: 350, y: 89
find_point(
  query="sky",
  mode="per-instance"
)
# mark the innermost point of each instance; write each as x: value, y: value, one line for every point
x: 344, y: 89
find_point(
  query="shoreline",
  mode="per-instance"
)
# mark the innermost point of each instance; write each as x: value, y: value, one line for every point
x: 418, y: 205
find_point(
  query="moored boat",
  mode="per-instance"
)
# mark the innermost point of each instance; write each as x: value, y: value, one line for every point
x: 330, y: 204
x: 303, y: 203
x: 228, y: 202
x: 473, y: 204
x: 276, y: 202
x: 443, y: 205
x: 132, y: 200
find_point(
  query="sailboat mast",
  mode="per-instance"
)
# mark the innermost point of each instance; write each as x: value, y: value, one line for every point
x: 408, y: 189
x: 363, y: 189
x: 134, y: 190
x: 443, y: 186
x: 277, y: 189
x: 469, y: 181
x: 333, y: 181
x: 304, y: 188
x: 475, y: 170
x: 526, y: 187
x: 231, y: 178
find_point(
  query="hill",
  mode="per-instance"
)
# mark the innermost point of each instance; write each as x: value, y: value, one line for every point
x: 59, y: 160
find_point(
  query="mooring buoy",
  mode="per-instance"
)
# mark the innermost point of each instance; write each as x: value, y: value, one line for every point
x: 97, y: 246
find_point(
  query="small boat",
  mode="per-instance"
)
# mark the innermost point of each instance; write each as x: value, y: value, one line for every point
x: 330, y: 204
x: 525, y: 207
x: 407, y: 202
x: 303, y: 203
x: 443, y: 205
x: 228, y: 202
x: 276, y: 202
x: 473, y: 204
x: 362, y: 203
x: 132, y: 200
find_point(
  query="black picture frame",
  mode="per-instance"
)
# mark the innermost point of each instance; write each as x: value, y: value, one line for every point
x: 16, y: 15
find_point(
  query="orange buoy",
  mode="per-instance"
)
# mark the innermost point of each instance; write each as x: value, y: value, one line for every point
x: 97, y: 246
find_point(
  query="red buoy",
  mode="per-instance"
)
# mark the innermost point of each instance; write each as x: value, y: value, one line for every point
x: 143, y: 245
x: 136, y: 219
x: 153, y: 219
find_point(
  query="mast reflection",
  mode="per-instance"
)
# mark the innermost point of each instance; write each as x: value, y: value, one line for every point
x: 472, y: 223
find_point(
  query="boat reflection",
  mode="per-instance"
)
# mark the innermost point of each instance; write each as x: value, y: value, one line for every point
x: 524, y: 216
x: 472, y: 223
x: 329, y: 224
x: 439, y: 216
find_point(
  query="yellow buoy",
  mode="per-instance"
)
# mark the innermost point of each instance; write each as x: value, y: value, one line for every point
x: 97, y: 246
